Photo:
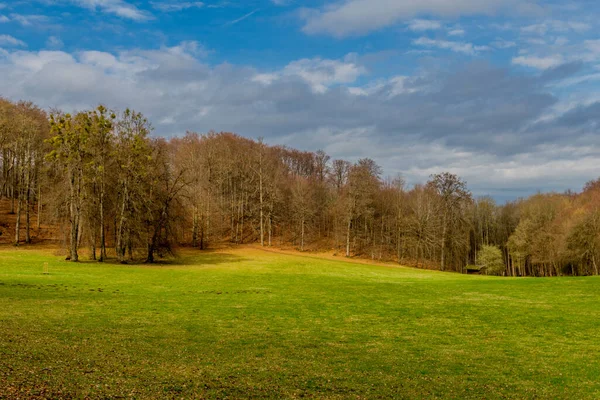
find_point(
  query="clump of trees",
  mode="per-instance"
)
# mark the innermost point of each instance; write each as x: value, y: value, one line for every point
x: 105, y: 182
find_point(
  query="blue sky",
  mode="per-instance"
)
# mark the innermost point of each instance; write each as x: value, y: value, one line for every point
x: 501, y: 92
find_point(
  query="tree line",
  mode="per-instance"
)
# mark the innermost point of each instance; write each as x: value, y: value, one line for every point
x: 107, y: 184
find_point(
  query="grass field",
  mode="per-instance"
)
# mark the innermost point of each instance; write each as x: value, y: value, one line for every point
x: 243, y: 323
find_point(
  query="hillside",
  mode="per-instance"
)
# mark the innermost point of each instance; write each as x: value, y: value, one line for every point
x: 47, y: 233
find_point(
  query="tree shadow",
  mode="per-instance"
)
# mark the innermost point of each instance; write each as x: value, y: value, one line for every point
x: 187, y: 258
x: 202, y: 258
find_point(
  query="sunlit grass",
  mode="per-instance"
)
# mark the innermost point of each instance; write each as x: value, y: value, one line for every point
x: 247, y: 323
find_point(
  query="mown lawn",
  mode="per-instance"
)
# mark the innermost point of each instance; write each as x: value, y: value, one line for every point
x: 244, y: 323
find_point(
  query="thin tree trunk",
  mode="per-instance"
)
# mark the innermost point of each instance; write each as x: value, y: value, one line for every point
x: 74, y: 223
x: 443, y: 244
x: 13, y: 186
x: 348, y: 237
x: 93, y: 240
x: 302, y: 240
x: 120, y: 248
x: 28, y: 206
x: 102, y: 224
x: 39, y: 205
x: 18, y: 223
x: 260, y: 184
x: 195, y: 227
x: 270, y: 229
x: 206, y: 235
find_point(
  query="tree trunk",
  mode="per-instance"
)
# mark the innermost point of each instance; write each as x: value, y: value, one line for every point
x: 18, y: 223
x: 28, y: 200
x: 39, y: 205
x: 13, y: 187
x: 206, y: 234
x: 443, y: 244
x: 270, y: 230
x: 102, y: 224
x: 93, y: 240
x: 302, y: 239
x: 348, y: 237
x: 120, y: 230
x: 262, y: 222
x: 74, y: 233
x: 195, y: 227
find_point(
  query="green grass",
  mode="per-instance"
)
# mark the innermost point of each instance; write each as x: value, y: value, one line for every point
x: 246, y: 323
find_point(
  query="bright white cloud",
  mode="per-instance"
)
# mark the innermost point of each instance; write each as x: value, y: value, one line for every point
x: 319, y: 73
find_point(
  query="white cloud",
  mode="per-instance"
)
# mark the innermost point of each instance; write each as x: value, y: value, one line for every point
x: 265, y: 79
x: 119, y: 8
x: 420, y: 25
x: 457, y: 47
x: 479, y: 120
x: 7, y: 40
x: 243, y: 17
x: 29, y: 20
x: 319, y: 73
x: 456, y: 32
x: 503, y: 44
x: 35, y: 62
x: 354, y: 17
x: 593, y: 46
x: 176, y: 6
x: 539, y: 62
x: 4, y: 18
x: 388, y: 88
x: 54, y: 42
x: 556, y: 26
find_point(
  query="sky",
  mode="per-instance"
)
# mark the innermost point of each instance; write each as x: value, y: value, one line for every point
x: 504, y: 93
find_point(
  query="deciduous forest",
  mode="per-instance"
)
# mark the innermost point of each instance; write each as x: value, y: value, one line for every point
x: 106, y: 184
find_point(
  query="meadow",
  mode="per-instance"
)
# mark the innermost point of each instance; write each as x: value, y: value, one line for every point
x: 245, y: 323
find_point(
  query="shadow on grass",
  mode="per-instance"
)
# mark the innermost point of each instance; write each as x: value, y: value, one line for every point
x: 188, y: 258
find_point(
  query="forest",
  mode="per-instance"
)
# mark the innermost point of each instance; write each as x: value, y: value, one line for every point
x: 108, y: 185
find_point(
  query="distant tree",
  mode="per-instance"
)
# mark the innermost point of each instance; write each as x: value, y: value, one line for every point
x: 69, y: 142
x: 489, y: 258
x: 303, y: 207
x: 133, y: 155
x: 584, y: 242
x: 99, y: 168
x: 165, y: 184
x: 454, y: 199
x: 422, y: 222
